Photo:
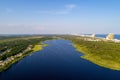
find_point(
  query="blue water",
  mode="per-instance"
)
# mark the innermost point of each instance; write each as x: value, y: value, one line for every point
x: 116, y: 36
x: 58, y: 61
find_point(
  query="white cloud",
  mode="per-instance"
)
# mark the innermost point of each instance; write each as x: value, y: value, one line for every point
x: 68, y: 8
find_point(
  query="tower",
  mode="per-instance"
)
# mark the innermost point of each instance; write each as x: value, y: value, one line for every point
x: 93, y: 35
x: 110, y: 36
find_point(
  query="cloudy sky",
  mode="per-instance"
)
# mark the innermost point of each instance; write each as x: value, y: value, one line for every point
x: 59, y: 16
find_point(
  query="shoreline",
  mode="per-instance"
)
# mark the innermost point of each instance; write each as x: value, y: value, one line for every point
x: 16, y: 58
x: 96, y: 59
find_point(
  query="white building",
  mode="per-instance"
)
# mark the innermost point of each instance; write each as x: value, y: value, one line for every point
x: 110, y: 36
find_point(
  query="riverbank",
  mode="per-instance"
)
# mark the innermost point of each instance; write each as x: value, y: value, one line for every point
x: 30, y: 46
x: 37, y: 47
x: 13, y: 59
x: 104, y: 54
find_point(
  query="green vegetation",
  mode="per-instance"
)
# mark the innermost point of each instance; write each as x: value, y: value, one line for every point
x: 9, y: 62
x: 37, y: 48
x: 45, y: 45
x: 105, y: 54
x: 13, y: 49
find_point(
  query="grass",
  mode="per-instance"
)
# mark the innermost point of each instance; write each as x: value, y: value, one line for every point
x: 37, y: 47
x: 105, y: 54
x: 18, y: 38
x: 45, y: 45
x: 111, y: 64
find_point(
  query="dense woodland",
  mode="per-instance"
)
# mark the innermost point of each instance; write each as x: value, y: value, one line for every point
x: 10, y: 46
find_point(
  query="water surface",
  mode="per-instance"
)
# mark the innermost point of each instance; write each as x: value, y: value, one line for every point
x: 116, y: 36
x: 58, y: 61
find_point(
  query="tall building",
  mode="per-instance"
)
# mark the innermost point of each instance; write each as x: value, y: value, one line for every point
x: 93, y: 35
x: 110, y: 36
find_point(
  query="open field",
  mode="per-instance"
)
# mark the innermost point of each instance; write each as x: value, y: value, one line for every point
x: 37, y: 47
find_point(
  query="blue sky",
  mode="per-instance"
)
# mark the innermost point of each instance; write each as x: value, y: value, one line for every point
x: 59, y: 16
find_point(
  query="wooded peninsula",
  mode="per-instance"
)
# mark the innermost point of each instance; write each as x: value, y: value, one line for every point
x: 14, y: 48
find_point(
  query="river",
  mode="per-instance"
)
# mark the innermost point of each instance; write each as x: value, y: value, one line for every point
x: 58, y: 61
